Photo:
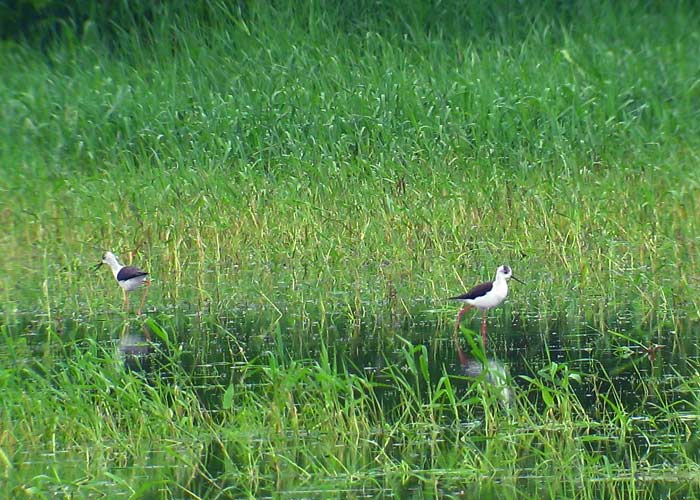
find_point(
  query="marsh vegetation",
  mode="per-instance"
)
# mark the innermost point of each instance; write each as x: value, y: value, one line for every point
x: 306, y: 185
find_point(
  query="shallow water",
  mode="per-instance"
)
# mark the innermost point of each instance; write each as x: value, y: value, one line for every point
x: 614, y: 356
x: 602, y: 358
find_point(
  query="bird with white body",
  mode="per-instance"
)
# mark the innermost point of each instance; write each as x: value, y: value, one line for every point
x: 485, y: 296
x: 129, y: 278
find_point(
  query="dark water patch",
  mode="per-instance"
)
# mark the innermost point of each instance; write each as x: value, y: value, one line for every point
x: 639, y: 363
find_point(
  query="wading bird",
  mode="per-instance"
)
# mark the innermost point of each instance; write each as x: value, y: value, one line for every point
x: 129, y: 278
x: 484, y: 297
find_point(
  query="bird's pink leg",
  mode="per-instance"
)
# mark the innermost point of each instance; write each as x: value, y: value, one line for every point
x: 460, y: 314
x: 483, y: 327
x: 455, y: 337
x: 126, y: 301
x: 143, y: 297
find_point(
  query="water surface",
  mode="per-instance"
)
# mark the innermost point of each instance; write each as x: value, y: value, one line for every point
x: 641, y: 367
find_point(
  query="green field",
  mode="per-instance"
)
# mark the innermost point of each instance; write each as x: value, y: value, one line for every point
x: 324, y: 170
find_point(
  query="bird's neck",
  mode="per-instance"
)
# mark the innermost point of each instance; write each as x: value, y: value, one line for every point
x: 115, y: 266
x: 116, y: 269
x: 500, y: 284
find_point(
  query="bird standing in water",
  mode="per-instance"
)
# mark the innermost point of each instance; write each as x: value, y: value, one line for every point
x: 129, y: 278
x: 484, y: 297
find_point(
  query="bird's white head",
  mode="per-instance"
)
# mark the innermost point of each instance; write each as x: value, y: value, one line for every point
x: 111, y: 260
x: 109, y: 257
x: 506, y: 273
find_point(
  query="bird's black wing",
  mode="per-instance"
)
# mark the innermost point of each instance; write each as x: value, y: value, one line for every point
x: 477, y: 291
x: 129, y: 272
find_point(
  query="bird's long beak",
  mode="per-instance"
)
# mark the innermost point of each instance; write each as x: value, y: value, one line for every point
x: 516, y: 279
x: 98, y: 266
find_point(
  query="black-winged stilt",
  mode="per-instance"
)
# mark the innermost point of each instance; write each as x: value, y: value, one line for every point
x: 484, y: 297
x: 129, y: 278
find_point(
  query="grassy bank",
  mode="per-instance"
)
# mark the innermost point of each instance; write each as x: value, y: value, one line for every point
x: 323, y: 163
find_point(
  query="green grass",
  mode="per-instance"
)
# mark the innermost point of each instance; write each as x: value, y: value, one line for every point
x: 277, y: 425
x: 328, y: 166
x: 316, y: 163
